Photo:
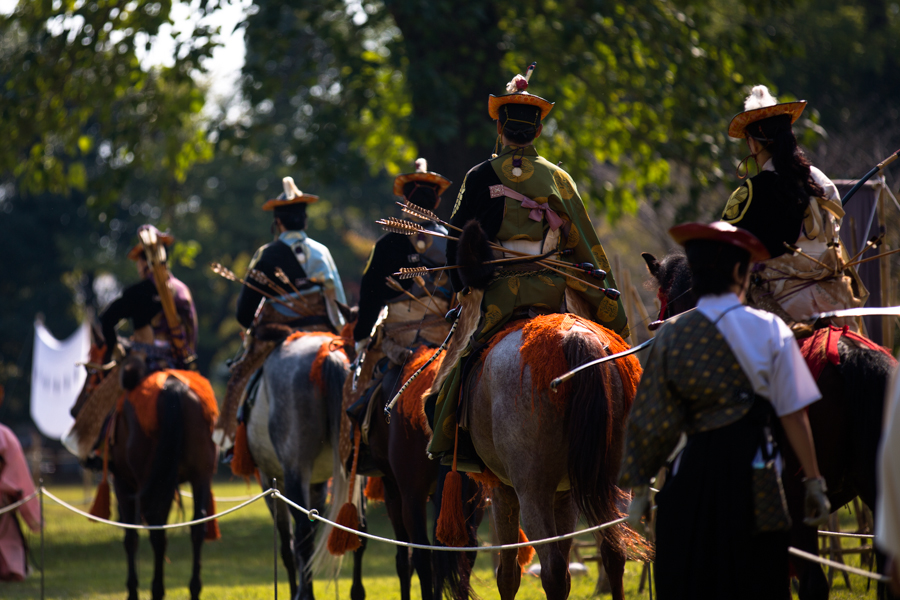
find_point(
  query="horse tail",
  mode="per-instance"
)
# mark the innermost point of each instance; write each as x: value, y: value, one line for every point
x: 453, y: 570
x: 334, y: 371
x: 866, y: 373
x: 159, y: 489
x: 595, y: 424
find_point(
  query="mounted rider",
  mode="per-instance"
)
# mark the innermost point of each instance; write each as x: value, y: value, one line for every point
x: 160, y: 308
x: 398, y: 316
x: 790, y: 202
x: 528, y: 205
x: 292, y: 284
x: 312, y: 274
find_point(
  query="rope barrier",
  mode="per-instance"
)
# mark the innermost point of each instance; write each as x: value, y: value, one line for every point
x: 65, y: 504
x: 865, y: 536
x: 837, y: 565
x: 313, y: 515
x: 17, y: 504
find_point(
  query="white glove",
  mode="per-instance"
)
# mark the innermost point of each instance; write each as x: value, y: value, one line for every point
x: 639, y: 507
x: 816, y: 505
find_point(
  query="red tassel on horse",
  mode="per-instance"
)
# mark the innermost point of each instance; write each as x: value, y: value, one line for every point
x: 100, y: 506
x: 451, y: 524
x: 212, y: 527
x: 374, y: 489
x: 526, y: 553
x: 242, y: 462
x: 340, y: 541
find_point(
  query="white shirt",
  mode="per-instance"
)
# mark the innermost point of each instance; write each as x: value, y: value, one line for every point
x: 813, y: 247
x: 766, y: 350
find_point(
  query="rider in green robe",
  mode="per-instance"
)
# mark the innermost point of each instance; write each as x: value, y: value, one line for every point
x: 525, y: 203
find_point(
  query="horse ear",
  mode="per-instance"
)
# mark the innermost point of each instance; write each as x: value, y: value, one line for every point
x: 652, y: 263
x: 348, y: 313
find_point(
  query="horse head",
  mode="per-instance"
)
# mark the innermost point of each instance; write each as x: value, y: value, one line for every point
x: 672, y: 277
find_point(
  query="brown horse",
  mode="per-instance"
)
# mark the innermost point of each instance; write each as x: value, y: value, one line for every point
x: 554, y: 455
x: 846, y: 425
x: 410, y: 477
x: 146, y: 468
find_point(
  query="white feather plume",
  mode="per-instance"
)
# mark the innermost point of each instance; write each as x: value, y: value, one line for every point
x: 290, y: 188
x: 421, y: 165
x: 759, y: 98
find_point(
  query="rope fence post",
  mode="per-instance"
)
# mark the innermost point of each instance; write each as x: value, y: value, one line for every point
x: 275, y: 537
x: 41, y: 503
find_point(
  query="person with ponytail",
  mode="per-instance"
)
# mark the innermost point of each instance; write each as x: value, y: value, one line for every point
x: 789, y: 203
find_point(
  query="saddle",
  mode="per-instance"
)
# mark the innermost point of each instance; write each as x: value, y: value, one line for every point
x: 271, y: 329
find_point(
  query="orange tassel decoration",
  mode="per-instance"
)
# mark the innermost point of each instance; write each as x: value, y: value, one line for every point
x: 100, y: 505
x: 374, y: 489
x: 242, y: 462
x: 451, y: 524
x: 212, y: 527
x: 340, y: 541
x: 526, y: 553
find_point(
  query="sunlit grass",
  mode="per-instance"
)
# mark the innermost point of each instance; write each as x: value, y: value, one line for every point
x: 87, y: 560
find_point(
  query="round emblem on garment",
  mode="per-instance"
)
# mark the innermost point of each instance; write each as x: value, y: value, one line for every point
x: 574, y: 238
x: 564, y: 183
x: 492, y: 316
x: 525, y: 171
x: 607, y: 310
x: 547, y: 280
x: 420, y: 244
x: 513, y: 283
x: 600, y: 257
x: 576, y: 284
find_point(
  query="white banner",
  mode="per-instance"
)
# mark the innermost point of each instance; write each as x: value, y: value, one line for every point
x: 56, y: 379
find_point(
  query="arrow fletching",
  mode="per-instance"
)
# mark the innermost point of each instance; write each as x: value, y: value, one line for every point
x: 400, y: 226
x: 223, y: 271
x: 410, y: 273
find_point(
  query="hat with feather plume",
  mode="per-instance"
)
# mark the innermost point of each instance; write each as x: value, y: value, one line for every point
x: 517, y: 94
x: 759, y: 105
x: 423, y: 175
x: 291, y: 195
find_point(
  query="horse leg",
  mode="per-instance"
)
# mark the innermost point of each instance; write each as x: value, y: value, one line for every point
x: 505, y: 512
x: 555, y: 577
x: 128, y: 514
x: 201, y: 489
x: 393, y: 501
x: 283, y: 524
x: 614, y: 557
x: 304, y: 532
x: 415, y: 521
x: 357, y: 589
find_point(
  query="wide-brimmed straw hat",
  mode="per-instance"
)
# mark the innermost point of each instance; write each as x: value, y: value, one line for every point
x: 517, y: 95
x: 759, y: 105
x: 290, y: 195
x: 165, y: 237
x: 424, y: 175
x: 720, y: 231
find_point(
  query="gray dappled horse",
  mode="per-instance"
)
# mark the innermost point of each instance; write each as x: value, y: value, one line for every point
x: 552, y: 463
x: 293, y: 435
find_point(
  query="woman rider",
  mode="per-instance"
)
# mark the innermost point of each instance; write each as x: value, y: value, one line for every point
x: 790, y: 202
x: 731, y: 378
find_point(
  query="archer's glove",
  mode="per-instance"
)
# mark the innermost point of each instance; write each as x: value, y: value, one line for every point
x: 816, y: 505
x: 639, y: 507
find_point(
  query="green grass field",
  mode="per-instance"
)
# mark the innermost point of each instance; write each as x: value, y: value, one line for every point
x: 87, y: 560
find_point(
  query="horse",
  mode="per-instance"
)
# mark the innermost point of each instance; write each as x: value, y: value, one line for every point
x: 293, y: 435
x: 553, y: 455
x: 147, y: 469
x: 410, y: 478
x: 846, y: 425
